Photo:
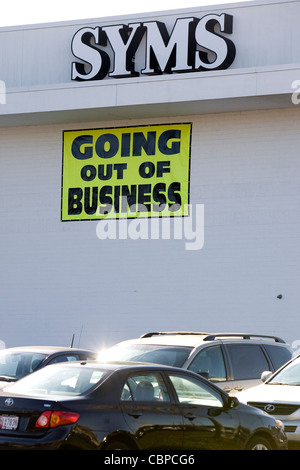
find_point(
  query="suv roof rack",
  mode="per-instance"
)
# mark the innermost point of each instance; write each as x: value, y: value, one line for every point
x: 148, y: 335
x: 211, y: 337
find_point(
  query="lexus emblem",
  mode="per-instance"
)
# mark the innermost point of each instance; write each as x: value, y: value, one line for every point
x: 9, y: 402
x: 269, y: 408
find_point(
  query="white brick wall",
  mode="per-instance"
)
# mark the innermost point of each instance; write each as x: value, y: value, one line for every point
x: 58, y: 278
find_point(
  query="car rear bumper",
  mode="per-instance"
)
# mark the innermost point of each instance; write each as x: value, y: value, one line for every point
x: 51, y: 440
x: 60, y: 438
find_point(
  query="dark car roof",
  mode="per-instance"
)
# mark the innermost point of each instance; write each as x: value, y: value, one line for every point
x: 113, y: 366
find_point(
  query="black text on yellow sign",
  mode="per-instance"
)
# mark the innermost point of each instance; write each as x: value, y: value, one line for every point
x: 126, y: 172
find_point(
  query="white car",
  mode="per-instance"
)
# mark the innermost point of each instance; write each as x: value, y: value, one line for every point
x: 279, y: 396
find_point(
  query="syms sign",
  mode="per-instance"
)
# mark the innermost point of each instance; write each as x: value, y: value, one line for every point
x: 193, y: 45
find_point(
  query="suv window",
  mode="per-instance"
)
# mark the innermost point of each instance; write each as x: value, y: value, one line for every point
x: 248, y: 361
x: 211, y: 362
x: 157, y: 354
x: 278, y: 355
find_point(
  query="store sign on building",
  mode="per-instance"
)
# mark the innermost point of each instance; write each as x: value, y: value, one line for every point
x: 128, y: 172
x: 193, y: 45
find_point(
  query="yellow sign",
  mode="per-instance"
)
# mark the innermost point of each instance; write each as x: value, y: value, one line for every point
x: 126, y: 172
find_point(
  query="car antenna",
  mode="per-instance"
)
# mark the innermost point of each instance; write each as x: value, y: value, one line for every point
x: 71, y: 345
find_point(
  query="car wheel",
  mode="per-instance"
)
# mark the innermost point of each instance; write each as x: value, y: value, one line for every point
x: 116, y: 445
x: 259, y: 443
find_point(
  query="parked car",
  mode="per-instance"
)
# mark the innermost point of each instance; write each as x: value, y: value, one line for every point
x: 234, y: 361
x: 111, y: 406
x: 15, y: 363
x: 279, y: 396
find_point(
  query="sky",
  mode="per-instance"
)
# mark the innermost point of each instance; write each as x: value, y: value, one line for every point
x: 23, y: 12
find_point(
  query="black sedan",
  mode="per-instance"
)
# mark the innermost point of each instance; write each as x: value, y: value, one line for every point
x: 114, y: 406
x: 17, y: 362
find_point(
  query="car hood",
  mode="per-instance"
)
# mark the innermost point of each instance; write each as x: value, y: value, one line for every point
x: 5, y: 383
x: 271, y: 393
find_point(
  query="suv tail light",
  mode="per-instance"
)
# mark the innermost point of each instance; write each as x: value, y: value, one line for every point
x: 52, y: 419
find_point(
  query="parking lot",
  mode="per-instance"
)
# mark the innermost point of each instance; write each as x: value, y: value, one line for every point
x: 164, y: 388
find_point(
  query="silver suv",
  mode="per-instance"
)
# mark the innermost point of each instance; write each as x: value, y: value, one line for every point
x: 233, y: 361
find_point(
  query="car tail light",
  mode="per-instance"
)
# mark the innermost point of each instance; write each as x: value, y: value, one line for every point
x: 52, y: 419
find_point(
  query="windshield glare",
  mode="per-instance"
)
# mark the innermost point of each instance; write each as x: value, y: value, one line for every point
x: 289, y: 375
x: 166, y: 355
x: 62, y: 380
x: 15, y: 365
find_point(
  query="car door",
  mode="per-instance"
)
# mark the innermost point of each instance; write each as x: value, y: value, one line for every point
x: 210, y: 363
x: 208, y: 424
x: 150, y: 412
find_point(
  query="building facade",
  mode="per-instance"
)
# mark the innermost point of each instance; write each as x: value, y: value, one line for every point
x: 150, y: 175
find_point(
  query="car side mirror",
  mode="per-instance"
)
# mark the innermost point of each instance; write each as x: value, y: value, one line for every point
x: 265, y: 375
x: 233, y: 402
x: 203, y: 374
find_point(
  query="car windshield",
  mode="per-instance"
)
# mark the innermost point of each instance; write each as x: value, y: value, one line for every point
x: 289, y: 375
x: 15, y: 365
x: 166, y: 355
x: 58, y: 380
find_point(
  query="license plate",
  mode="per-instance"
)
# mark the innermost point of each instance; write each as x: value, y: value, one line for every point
x: 9, y: 422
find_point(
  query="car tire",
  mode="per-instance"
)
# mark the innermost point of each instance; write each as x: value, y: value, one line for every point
x: 259, y: 443
x: 116, y: 445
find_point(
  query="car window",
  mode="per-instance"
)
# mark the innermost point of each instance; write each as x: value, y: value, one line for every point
x: 87, y: 356
x: 210, y: 362
x: 146, y: 387
x: 167, y: 355
x: 248, y: 361
x: 278, y: 355
x: 289, y: 375
x: 65, y: 358
x: 17, y: 365
x: 59, y: 380
x: 194, y: 392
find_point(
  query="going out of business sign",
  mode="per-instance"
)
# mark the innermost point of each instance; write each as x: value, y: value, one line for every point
x: 194, y: 44
x: 126, y: 172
